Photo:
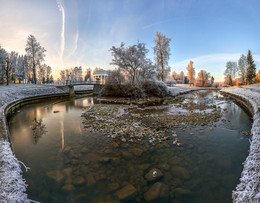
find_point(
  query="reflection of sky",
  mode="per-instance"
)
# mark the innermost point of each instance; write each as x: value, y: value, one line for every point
x: 65, y: 123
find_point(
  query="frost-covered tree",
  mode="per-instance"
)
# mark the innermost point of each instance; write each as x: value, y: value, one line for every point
x: 231, y: 70
x: 257, y: 77
x: 203, y: 77
x: 148, y: 72
x: 3, y: 56
x: 26, y: 68
x: 212, y: 80
x: 174, y: 75
x: 181, y: 76
x: 162, y: 53
x: 78, y: 73
x: 251, y: 70
x: 13, y: 64
x: 51, y: 79
x: 7, y: 68
x: 48, y: 73
x: 115, y: 77
x: 62, y: 76
x: 191, y: 72
x: 42, y: 73
x: 88, y: 75
x: 130, y: 59
x: 20, y: 69
x: 242, y: 66
x: 35, y: 52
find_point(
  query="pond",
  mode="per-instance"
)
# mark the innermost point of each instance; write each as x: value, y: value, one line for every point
x: 187, y: 150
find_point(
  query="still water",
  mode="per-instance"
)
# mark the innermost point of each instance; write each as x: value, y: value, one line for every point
x: 71, y: 162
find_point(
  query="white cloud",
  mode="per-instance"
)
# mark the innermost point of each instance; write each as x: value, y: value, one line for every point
x: 213, y: 63
x: 62, y: 34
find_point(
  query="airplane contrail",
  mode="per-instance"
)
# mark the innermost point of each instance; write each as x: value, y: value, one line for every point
x: 62, y: 34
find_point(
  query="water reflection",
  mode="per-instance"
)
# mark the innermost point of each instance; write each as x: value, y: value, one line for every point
x: 38, y: 130
x: 72, y: 164
x: 62, y: 133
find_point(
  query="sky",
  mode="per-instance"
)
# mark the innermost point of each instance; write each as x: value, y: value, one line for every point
x: 81, y: 32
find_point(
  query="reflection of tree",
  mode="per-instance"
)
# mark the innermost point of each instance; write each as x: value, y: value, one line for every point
x: 38, y: 129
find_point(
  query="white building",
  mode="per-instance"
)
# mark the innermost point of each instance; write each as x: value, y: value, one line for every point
x: 100, y: 75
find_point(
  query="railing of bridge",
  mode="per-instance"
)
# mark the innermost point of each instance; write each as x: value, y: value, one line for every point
x: 69, y: 82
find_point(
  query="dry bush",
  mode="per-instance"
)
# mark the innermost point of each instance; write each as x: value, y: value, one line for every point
x: 155, y: 88
x: 140, y: 90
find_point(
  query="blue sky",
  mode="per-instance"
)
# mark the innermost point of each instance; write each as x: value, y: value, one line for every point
x: 208, y: 32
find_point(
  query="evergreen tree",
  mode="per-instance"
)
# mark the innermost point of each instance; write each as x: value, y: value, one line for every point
x: 251, y: 70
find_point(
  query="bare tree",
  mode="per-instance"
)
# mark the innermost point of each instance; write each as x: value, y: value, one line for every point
x: 62, y: 76
x: 35, y: 53
x: 191, y: 72
x: 162, y: 53
x: 181, y: 76
x: 7, y: 69
x: 88, y: 75
x: 13, y: 64
x: 42, y: 73
x: 174, y: 75
x: 48, y: 73
x: 203, y: 77
x: 130, y: 59
x: 3, y: 55
x: 231, y: 70
x: 115, y: 77
x: 242, y: 66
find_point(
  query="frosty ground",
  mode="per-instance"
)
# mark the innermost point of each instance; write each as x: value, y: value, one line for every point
x: 13, y: 186
x: 248, y: 190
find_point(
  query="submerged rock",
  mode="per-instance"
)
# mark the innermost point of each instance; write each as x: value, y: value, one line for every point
x: 180, y: 172
x: 159, y: 192
x: 113, y: 186
x: 126, y: 193
x: 181, y: 192
x: 79, y: 180
x: 55, y: 175
x: 90, y: 180
x: 137, y: 151
x: 153, y: 174
x: 68, y: 187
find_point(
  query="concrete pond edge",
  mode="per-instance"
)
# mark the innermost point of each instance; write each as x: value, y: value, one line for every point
x: 13, y: 186
x: 248, y: 190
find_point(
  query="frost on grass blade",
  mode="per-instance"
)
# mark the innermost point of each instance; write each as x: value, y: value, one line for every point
x: 12, y: 185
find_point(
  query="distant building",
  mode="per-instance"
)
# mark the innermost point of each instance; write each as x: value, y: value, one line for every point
x: 100, y: 75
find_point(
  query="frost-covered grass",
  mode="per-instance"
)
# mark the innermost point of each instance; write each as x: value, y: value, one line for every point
x: 181, y: 89
x: 248, y: 190
x: 12, y: 185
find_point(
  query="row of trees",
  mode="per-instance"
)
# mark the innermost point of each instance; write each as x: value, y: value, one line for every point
x: 76, y: 74
x: 241, y: 72
x: 73, y: 74
x: 15, y: 67
x: 203, y: 79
